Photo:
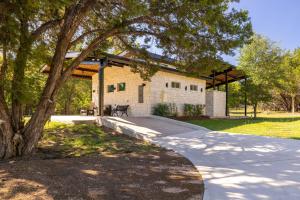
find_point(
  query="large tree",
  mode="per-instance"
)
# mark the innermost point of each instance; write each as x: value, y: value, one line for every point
x: 195, y: 33
x: 290, y: 81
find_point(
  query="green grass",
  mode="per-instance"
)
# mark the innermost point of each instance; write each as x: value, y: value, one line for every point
x: 78, y: 140
x: 280, y: 125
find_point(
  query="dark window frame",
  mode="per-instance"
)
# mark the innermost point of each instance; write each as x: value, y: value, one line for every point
x: 175, y: 85
x: 110, y: 88
x: 119, y: 89
x: 193, y: 87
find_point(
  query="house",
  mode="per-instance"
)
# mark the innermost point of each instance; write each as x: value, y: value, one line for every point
x: 114, y: 83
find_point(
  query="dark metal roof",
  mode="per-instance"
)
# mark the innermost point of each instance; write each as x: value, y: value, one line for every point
x: 91, y: 65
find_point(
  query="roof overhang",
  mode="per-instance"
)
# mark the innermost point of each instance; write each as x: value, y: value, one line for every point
x: 91, y: 66
x: 218, y: 78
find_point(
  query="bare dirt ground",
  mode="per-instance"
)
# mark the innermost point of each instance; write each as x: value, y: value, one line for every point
x: 155, y: 174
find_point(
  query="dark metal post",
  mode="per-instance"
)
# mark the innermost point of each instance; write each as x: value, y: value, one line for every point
x: 245, y: 96
x: 226, y: 90
x: 214, y: 80
x: 101, y: 86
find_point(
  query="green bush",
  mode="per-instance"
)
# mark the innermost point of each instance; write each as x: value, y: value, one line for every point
x: 165, y: 109
x: 173, y: 111
x: 161, y: 109
x: 192, y: 110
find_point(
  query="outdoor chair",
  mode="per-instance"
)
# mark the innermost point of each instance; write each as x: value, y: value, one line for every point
x: 122, y: 109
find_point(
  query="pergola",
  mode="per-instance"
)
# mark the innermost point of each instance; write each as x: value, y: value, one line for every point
x: 229, y: 75
x: 97, y: 63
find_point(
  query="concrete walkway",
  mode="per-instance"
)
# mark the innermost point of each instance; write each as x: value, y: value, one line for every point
x: 234, y: 167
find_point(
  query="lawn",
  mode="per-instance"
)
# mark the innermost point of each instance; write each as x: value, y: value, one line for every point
x: 282, y: 125
x: 83, y: 139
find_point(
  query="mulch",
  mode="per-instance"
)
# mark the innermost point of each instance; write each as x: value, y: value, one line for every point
x: 152, y: 175
x: 189, y: 118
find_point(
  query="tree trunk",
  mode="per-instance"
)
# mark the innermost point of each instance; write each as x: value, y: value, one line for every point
x: 286, y: 102
x: 255, y: 110
x: 18, y: 76
x: 293, y: 103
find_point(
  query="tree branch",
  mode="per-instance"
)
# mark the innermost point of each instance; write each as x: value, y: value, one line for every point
x: 44, y: 27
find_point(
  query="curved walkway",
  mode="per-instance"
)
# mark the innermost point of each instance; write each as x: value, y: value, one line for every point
x: 234, y: 167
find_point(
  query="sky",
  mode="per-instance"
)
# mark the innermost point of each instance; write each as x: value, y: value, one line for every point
x: 278, y: 20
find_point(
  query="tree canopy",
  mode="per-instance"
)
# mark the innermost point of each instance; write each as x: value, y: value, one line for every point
x: 194, y: 33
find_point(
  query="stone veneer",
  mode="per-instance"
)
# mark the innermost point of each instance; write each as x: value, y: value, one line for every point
x: 155, y: 91
x: 215, y: 103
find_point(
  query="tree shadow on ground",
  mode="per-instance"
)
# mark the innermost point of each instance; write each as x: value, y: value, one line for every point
x: 242, y: 166
x: 152, y: 175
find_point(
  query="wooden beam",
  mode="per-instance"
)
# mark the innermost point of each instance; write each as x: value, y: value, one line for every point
x: 229, y: 81
x: 87, y: 70
x: 219, y: 73
x: 81, y: 76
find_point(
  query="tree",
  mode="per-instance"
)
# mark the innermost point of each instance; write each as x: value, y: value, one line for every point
x: 261, y: 61
x: 256, y: 93
x: 290, y: 81
x: 70, y: 102
x: 194, y: 33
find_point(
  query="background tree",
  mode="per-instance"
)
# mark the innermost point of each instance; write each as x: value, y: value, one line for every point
x: 194, y: 33
x: 261, y: 61
x: 73, y: 96
x: 256, y: 94
x: 290, y: 81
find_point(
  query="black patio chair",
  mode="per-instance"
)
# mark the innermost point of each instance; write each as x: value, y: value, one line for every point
x: 122, y: 109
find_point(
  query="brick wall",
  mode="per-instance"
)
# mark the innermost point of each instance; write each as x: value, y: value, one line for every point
x: 154, y: 91
x: 215, y: 103
x: 115, y: 75
x: 163, y: 94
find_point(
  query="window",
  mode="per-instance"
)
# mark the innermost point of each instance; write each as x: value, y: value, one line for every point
x: 141, y: 94
x: 175, y: 85
x: 121, y: 86
x: 194, y: 87
x: 110, y: 88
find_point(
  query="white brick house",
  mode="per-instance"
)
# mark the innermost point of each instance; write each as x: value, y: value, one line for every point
x: 142, y: 96
x: 120, y: 86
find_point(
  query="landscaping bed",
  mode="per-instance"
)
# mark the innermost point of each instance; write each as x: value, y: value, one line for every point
x: 189, y: 118
x: 87, y: 162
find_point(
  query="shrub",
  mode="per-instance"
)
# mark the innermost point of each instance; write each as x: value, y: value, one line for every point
x: 198, y: 110
x: 192, y: 110
x: 173, y: 111
x: 161, y: 109
x: 165, y: 109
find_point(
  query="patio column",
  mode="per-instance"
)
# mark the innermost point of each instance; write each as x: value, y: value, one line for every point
x: 214, y: 80
x: 102, y: 66
x: 245, y: 112
x: 226, y: 90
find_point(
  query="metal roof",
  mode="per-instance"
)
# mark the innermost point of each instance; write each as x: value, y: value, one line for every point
x: 91, y: 65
